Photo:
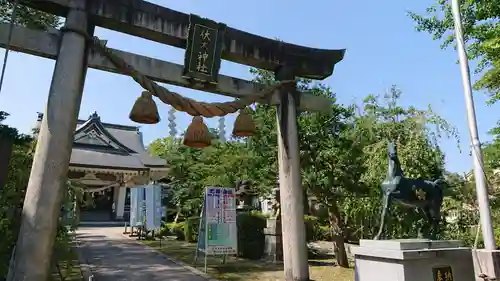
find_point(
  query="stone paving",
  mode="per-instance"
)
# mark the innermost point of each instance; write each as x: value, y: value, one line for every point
x: 113, y: 257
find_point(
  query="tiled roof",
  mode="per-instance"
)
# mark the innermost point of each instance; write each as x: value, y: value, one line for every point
x: 107, y: 145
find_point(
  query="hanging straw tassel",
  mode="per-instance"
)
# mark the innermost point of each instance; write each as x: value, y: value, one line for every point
x: 197, y: 134
x: 244, y: 125
x: 145, y: 110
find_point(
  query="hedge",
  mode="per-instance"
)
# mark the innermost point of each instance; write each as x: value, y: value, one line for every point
x: 251, y: 237
x: 177, y: 229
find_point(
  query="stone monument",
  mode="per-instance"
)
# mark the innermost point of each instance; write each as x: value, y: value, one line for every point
x: 244, y: 195
x: 412, y: 260
x: 273, y: 247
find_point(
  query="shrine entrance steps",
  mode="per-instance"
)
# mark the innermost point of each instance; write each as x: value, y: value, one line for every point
x: 111, y: 256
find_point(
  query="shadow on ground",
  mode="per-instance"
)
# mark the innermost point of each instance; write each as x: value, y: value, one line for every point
x: 236, y: 269
x: 322, y: 263
x: 89, y: 236
x: 121, y: 259
x: 113, y: 257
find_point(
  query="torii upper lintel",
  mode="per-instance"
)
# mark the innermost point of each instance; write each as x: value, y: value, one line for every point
x: 163, y: 25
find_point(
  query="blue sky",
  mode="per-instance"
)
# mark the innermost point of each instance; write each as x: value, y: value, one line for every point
x: 382, y: 45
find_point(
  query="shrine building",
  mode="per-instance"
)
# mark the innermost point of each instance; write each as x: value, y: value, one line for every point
x: 107, y: 160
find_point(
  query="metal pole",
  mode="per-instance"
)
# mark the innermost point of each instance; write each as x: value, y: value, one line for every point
x: 477, y: 158
x: 32, y: 257
x: 295, y: 259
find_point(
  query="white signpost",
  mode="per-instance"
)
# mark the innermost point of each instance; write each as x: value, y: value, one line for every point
x: 154, y: 209
x: 136, y: 197
x: 217, y: 233
x: 146, y: 208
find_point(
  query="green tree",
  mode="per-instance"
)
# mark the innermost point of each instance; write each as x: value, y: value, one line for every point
x: 183, y: 177
x: 191, y: 170
x: 331, y: 163
x: 264, y: 143
x: 481, y: 31
x: 12, y: 195
x: 330, y: 160
x: 27, y: 16
x: 491, y: 153
x: 482, y: 34
x: 416, y: 133
x: 12, y: 199
x: 163, y: 146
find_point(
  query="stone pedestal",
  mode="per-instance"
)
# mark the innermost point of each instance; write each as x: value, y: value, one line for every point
x: 273, y: 247
x: 486, y: 263
x: 412, y: 260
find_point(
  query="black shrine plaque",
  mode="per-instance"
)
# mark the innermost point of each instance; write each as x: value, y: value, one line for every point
x: 203, y: 51
x: 442, y: 273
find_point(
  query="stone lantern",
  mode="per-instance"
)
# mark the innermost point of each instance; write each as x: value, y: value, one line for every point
x: 244, y: 195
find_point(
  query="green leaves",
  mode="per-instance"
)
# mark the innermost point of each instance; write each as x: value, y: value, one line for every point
x: 481, y: 31
x: 415, y: 131
x: 12, y: 198
x: 27, y: 17
x: 343, y: 156
x: 12, y: 194
x: 378, y: 120
x: 191, y: 170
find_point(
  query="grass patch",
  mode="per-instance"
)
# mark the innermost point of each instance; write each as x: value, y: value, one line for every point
x: 237, y: 269
x: 69, y: 267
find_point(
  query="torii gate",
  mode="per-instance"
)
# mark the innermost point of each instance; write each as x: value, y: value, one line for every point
x: 72, y: 50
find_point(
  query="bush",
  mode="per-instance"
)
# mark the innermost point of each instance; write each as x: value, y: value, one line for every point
x: 311, y: 223
x: 323, y: 233
x: 251, y: 235
x: 163, y: 231
x: 191, y: 227
x: 12, y: 199
x: 177, y: 229
x: 315, y: 231
x: 11, y: 202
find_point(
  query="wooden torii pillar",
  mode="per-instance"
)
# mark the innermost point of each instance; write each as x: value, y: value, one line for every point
x: 31, y: 258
